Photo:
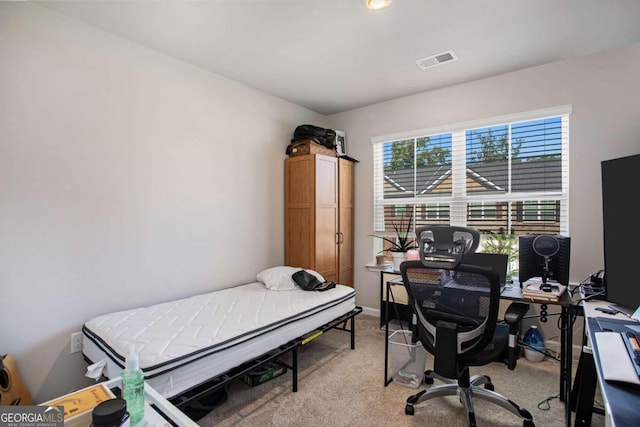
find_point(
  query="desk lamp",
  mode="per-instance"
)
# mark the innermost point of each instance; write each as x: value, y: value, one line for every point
x: 546, y: 247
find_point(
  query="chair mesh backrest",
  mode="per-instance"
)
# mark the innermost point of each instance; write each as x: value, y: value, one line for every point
x: 446, y: 293
x: 461, y: 296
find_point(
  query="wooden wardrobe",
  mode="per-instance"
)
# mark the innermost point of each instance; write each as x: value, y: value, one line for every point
x: 319, y: 215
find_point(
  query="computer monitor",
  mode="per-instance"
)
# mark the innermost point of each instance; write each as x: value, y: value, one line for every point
x: 498, y: 262
x: 619, y: 218
x: 539, y: 257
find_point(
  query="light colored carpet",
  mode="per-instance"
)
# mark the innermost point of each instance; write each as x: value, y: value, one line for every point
x: 343, y: 387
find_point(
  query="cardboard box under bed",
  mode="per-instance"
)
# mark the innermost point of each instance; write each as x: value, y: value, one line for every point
x: 185, y: 343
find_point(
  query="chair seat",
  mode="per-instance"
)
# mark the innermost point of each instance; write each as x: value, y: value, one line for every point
x: 492, y: 351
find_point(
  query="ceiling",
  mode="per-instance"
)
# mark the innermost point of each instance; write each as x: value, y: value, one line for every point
x: 335, y: 55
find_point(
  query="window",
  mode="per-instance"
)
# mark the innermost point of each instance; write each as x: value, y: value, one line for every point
x: 539, y: 210
x: 434, y: 211
x: 401, y: 210
x: 504, y: 175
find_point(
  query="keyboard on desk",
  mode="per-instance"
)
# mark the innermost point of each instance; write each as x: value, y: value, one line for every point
x: 632, y: 342
x: 617, y: 350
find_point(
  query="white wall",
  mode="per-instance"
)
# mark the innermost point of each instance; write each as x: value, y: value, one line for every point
x: 126, y: 178
x: 604, y: 90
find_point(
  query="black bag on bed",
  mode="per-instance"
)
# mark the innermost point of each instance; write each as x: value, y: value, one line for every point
x: 309, y: 282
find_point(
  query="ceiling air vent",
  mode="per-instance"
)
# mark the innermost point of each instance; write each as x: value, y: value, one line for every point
x: 433, y: 60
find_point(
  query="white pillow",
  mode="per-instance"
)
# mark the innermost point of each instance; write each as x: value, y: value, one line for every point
x: 279, y: 278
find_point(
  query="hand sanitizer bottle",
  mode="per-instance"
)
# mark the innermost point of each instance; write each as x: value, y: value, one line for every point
x: 133, y: 387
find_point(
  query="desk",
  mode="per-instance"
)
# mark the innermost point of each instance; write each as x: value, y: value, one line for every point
x: 622, y: 403
x: 566, y: 339
x: 159, y: 412
x: 393, y: 305
x: 514, y: 293
x: 388, y: 296
x: 160, y: 406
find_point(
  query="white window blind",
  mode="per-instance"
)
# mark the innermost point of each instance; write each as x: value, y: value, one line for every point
x: 502, y: 175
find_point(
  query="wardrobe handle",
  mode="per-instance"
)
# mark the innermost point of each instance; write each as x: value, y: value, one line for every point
x: 337, y: 238
x: 341, y: 237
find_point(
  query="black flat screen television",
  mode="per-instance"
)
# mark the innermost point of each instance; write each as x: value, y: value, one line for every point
x: 531, y: 264
x: 620, y: 180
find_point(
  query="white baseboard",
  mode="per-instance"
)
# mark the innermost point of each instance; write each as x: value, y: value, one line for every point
x: 371, y: 311
x: 555, y: 347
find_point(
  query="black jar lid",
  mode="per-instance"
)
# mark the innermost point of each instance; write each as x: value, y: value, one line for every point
x: 109, y: 412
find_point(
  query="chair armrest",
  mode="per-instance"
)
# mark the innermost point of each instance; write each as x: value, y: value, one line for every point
x: 515, y: 312
x: 512, y: 317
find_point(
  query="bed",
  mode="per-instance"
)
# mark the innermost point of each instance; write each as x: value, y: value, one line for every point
x: 185, y: 344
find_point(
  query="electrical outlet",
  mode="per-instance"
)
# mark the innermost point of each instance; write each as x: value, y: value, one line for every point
x: 76, y: 342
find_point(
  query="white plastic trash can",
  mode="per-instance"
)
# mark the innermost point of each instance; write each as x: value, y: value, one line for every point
x: 407, y: 359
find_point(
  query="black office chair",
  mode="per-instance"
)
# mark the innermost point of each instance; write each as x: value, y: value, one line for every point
x: 456, y: 306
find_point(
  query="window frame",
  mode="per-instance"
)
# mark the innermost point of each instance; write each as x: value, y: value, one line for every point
x: 459, y: 200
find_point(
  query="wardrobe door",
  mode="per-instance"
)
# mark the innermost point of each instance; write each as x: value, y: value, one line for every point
x: 299, y: 212
x: 345, y: 222
x: 326, y: 213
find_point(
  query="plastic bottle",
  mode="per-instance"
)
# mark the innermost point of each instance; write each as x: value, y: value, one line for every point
x: 534, y: 344
x: 133, y: 387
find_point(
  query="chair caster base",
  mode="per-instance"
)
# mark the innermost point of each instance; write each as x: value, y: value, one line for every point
x: 409, y: 410
x: 427, y: 377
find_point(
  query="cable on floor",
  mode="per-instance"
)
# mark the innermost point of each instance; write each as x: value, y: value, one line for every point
x: 545, y: 405
x: 547, y: 352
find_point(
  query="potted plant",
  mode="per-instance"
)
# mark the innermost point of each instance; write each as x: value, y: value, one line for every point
x: 399, y: 245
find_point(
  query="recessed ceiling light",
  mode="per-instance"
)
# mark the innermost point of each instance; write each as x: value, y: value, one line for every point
x: 377, y: 4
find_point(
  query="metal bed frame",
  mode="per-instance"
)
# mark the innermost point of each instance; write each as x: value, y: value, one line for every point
x: 212, y: 385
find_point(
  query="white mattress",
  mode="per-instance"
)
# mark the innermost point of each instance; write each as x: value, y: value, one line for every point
x: 186, y: 342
